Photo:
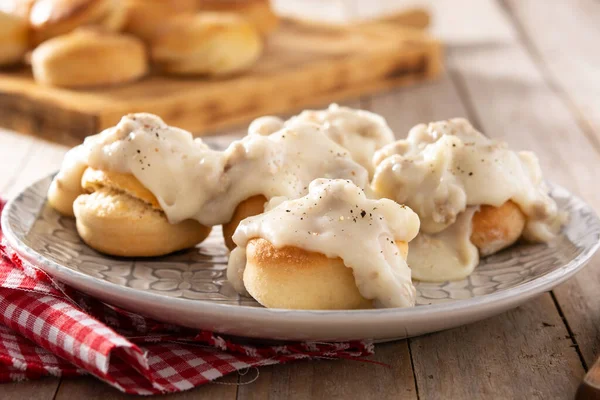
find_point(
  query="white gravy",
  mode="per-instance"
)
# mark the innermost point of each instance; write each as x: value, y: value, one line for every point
x: 448, y: 254
x: 443, y: 168
x: 191, y: 181
x: 336, y: 219
x: 360, y: 132
x: 281, y: 164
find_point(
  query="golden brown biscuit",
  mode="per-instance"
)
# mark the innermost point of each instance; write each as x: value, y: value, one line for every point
x: 117, y: 224
x: 495, y: 228
x: 50, y: 18
x: 293, y: 278
x: 94, y: 180
x: 19, y: 8
x: 258, y: 12
x: 252, y: 206
x: 122, y: 218
x: 144, y: 17
x: 87, y: 58
x: 206, y: 44
x: 13, y: 38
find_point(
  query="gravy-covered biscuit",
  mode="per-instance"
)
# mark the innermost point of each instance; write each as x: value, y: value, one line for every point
x: 331, y: 249
x: 473, y: 195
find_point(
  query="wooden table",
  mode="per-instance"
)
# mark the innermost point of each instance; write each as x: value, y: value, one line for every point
x: 524, y: 71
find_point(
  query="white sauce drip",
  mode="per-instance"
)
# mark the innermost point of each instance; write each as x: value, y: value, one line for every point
x: 360, y: 132
x: 448, y: 254
x: 191, y: 181
x: 443, y: 168
x: 181, y: 172
x: 337, y: 219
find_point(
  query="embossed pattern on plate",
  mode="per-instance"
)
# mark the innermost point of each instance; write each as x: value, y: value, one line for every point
x: 199, y: 274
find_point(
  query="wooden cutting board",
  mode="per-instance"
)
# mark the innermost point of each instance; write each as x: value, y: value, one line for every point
x: 303, y: 65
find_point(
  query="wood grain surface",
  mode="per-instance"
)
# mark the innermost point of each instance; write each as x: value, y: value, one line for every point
x: 572, y: 69
x: 531, y: 78
x: 327, y: 379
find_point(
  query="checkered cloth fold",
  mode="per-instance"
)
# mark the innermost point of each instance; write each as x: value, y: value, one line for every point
x: 47, y: 328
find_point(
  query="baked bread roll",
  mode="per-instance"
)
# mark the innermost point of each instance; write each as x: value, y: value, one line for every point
x: 18, y: 8
x: 247, y: 208
x: 13, y: 38
x: 290, y: 277
x: 87, y: 58
x: 50, y: 18
x: 211, y: 44
x: 496, y: 228
x: 258, y: 12
x: 121, y: 217
x: 144, y: 17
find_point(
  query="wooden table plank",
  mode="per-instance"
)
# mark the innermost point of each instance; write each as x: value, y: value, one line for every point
x: 522, y: 354
x: 90, y: 388
x: 579, y: 302
x: 337, y: 379
x: 14, y: 150
x: 42, y: 389
x: 564, y: 38
x: 568, y: 48
x: 42, y: 159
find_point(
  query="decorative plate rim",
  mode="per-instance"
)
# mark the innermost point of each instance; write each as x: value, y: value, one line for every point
x: 527, y: 289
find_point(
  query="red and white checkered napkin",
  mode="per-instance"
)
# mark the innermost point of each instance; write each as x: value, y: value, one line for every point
x: 47, y: 328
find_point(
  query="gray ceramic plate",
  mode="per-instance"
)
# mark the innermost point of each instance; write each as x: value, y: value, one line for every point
x: 190, y: 288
